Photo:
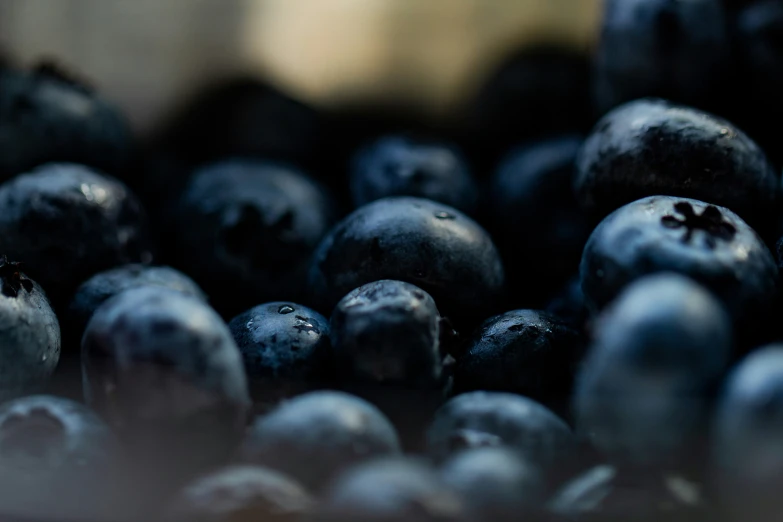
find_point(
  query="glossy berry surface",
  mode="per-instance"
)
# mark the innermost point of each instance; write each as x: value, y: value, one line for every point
x: 388, y: 332
x: 285, y: 348
x: 315, y: 436
x: 657, y: 352
x: 399, y: 165
x: 67, y: 222
x: 245, y: 230
x: 710, y: 244
x: 527, y: 352
x: 651, y: 147
x: 428, y: 244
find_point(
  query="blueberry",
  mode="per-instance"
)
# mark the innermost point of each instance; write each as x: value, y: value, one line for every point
x: 523, y: 351
x: 748, y: 438
x: 67, y: 222
x: 644, y: 388
x: 667, y: 48
x: 286, y: 350
x: 316, y: 435
x: 479, y: 419
x: 495, y: 483
x: 245, y: 231
x: 391, y: 490
x: 240, y: 494
x: 57, y: 460
x: 651, y: 147
x: 401, y: 165
x: 414, y: 240
x: 710, y: 244
x: 29, y: 333
x: 162, y: 368
x: 536, y: 219
x: 45, y: 116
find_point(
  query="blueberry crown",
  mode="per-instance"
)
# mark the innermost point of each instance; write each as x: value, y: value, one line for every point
x: 710, y: 221
x: 13, y: 280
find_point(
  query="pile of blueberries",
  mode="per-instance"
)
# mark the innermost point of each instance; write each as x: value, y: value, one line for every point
x: 560, y: 306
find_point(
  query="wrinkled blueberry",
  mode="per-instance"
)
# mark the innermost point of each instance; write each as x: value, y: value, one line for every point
x: 245, y: 230
x: 314, y: 436
x: 643, y: 391
x: 668, y: 48
x: 57, y: 460
x: 286, y: 351
x: 45, y: 116
x: 650, y: 147
x: 495, y: 483
x: 527, y: 352
x: 415, y: 240
x: 67, y: 222
x: 240, y: 494
x: 391, y: 490
x: 479, y: 419
x: 29, y: 333
x: 536, y: 219
x: 400, y: 165
x: 709, y: 244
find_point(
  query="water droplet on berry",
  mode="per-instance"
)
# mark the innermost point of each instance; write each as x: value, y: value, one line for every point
x: 444, y: 215
x: 249, y: 324
x: 285, y: 309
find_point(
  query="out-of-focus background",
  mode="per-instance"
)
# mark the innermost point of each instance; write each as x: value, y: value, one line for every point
x: 147, y: 54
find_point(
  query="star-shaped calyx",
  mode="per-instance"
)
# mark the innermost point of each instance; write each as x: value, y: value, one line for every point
x: 12, y: 279
x: 710, y: 221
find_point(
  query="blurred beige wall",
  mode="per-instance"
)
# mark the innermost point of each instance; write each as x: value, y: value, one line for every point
x: 147, y: 54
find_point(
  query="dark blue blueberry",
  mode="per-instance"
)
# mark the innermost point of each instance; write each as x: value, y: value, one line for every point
x: 415, y: 240
x: 285, y: 347
x: 245, y: 231
x: 527, y: 352
x: 314, y: 436
x: 58, y: 460
x: 67, y: 222
x: 29, y: 334
x: 710, y: 244
x: 240, y: 494
x: 479, y: 419
x: 388, y: 333
x: 747, y: 471
x: 650, y: 147
x: 401, y: 165
x: 644, y: 388
x: 162, y: 368
x: 535, y: 217
x: 668, y: 48
x: 391, y: 490
x: 45, y: 116
x: 495, y: 483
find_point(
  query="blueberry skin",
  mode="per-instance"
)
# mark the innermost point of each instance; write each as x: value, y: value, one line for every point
x: 66, y: 222
x: 162, y: 368
x: 747, y: 467
x: 535, y: 217
x: 240, y: 493
x: 528, y: 352
x: 388, y: 332
x: 47, y: 117
x: 496, y: 483
x: 651, y: 147
x: 401, y: 165
x: 314, y: 436
x: 667, y: 48
x: 710, y: 244
x: 391, y: 490
x: 479, y: 419
x: 101, y: 287
x: 245, y: 231
x: 428, y: 244
x: 644, y: 388
x: 286, y: 350
x: 57, y: 446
